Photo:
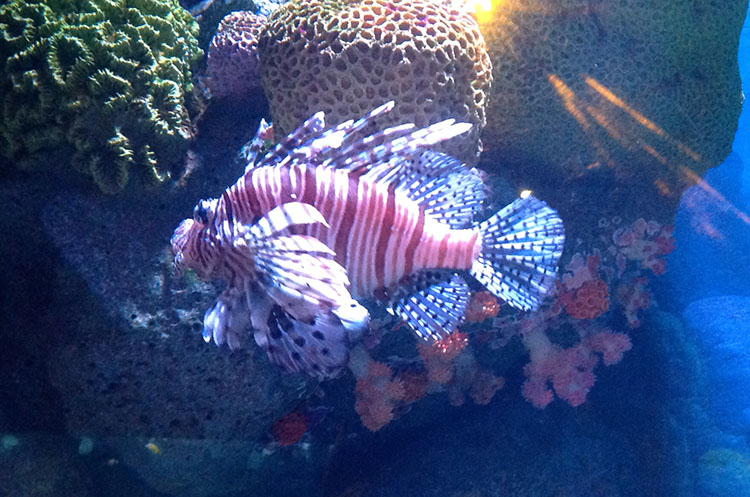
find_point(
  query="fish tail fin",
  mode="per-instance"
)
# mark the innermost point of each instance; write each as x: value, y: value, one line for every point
x: 521, y: 246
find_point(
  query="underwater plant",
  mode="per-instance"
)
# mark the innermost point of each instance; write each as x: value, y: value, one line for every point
x: 101, y: 82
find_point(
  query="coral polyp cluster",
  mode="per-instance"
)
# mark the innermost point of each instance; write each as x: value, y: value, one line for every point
x: 346, y: 57
x: 648, y: 89
x: 100, y: 84
x: 233, y: 67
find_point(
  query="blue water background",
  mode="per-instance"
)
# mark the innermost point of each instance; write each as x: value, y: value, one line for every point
x: 700, y: 266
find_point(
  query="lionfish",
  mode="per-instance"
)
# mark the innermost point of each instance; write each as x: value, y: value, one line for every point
x: 326, y: 219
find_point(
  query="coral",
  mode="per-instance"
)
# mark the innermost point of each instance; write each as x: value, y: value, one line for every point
x: 415, y: 385
x: 102, y: 82
x: 347, y: 57
x: 473, y: 380
x: 377, y: 394
x: 449, y: 347
x: 645, y: 242
x: 650, y: 89
x: 610, y: 345
x: 288, y: 429
x: 569, y: 371
x: 634, y: 296
x: 483, y: 305
x: 580, y: 270
x: 438, y: 356
x: 233, y: 67
x: 587, y: 302
x: 484, y: 386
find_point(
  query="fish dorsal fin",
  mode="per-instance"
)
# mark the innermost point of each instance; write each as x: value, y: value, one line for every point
x: 309, y: 129
x: 434, y: 303
x: 249, y: 152
x: 393, y: 144
x: 346, y: 146
x: 306, y: 142
x: 447, y: 190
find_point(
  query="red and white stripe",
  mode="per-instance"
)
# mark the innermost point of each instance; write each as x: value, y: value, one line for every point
x: 379, y: 236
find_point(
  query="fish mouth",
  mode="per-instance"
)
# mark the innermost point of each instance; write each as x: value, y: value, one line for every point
x: 177, y: 244
x: 180, y: 236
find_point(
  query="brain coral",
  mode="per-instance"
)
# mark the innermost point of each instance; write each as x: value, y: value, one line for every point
x: 101, y: 82
x: 346, y: 57
x: 233, y: 66
x: 648, y: 89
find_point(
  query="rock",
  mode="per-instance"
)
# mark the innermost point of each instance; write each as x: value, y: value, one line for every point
x: 211, y: 468
x: 37, y: 465
x: 648, y: 91
x: 100, y: 338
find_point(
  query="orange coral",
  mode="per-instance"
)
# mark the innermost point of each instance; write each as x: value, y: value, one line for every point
x: 377, y: 394
x: 438, y: 356
x: 415, y: 385
x: 484, y: 386
x: 483, y: 305
x: 288, y: 429
x: 589, y: 301
x: 450, y: 346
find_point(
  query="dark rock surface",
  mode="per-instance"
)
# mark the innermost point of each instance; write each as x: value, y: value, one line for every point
x: 99, y: 337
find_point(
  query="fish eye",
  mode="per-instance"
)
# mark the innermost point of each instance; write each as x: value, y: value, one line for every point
x: 200, y: 213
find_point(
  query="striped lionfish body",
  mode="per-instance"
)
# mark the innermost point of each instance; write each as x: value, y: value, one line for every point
x: 325, y: 219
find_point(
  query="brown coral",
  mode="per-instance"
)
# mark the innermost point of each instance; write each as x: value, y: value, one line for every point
x: 650, y: 89
x: 346, y: 57
x: 233, y: 66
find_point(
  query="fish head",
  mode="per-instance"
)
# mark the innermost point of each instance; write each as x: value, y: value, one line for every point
x: 194, y: 244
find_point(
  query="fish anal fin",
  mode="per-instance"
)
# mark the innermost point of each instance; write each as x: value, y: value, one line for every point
x: 433, y: 303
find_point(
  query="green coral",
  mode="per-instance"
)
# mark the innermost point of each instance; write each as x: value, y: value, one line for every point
x: 98, y: 84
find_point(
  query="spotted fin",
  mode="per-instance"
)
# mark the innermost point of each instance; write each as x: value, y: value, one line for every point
x: 435, y: 304
x: 319, y: 347
x: 521, y: 246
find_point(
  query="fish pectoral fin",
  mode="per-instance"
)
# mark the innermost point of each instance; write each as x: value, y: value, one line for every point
x: 277, y: 220
x: 319, y: 347
x: 299, y: 273
x: 434, y: 304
